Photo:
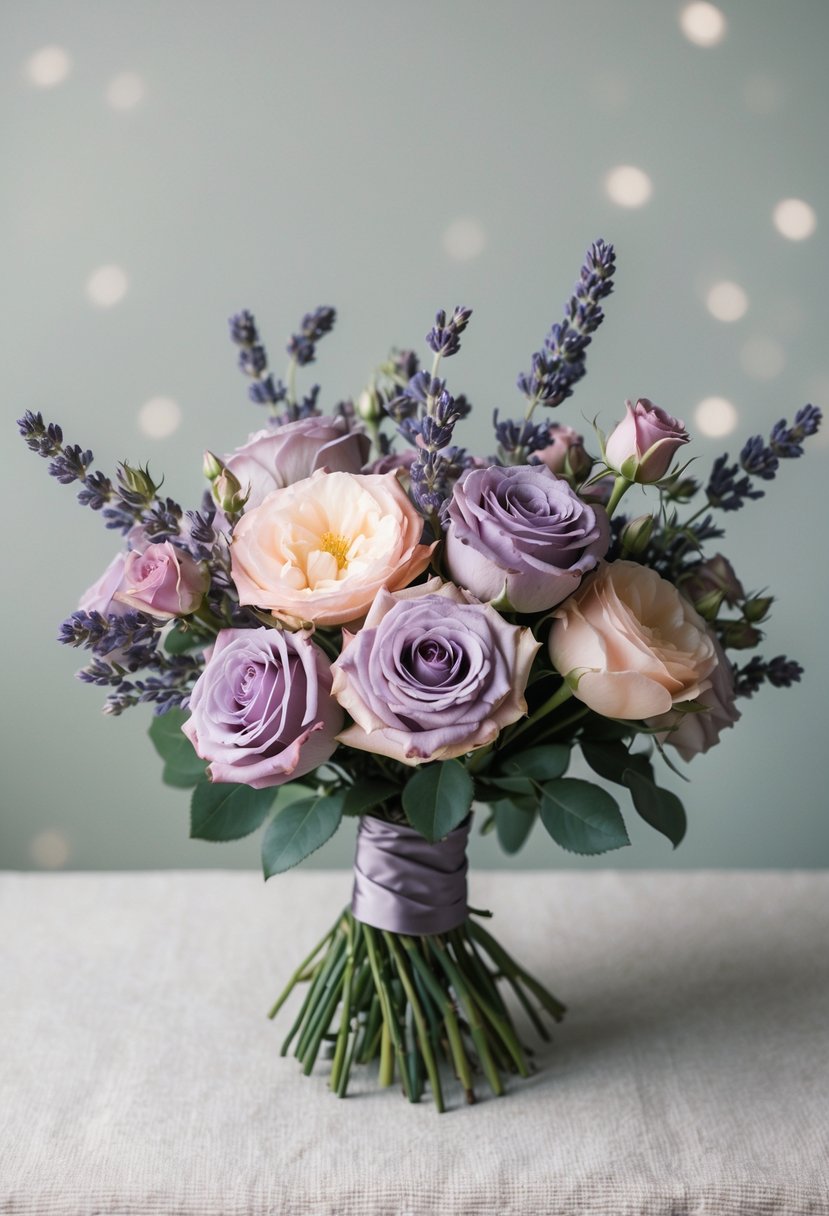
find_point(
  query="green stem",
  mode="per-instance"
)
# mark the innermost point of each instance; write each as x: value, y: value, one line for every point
x: 345, y: 1010
x: 620, y: 486
x: 389, y: 1013
x: 297, y: 976
x: 476, y: 1028
x: 291, y: 386
x: 420, y: 1020
x: 561, y: 695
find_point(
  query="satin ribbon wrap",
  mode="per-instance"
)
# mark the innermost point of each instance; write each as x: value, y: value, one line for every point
x: 404, y: 884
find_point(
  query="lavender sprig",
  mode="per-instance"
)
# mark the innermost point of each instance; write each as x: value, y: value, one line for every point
x: 253, y: 361
x: 516, y: 440
x: 133, y: 635
x: 780, y: 672
x: 561, y: 363
x: 444, y: 338
x: 314, y: 325
x: 729, y: 491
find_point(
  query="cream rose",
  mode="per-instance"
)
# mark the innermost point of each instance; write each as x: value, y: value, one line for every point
x: 636, y: 646
x: 319, y: 550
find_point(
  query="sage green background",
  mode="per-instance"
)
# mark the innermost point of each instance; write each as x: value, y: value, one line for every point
x: 286, y: 155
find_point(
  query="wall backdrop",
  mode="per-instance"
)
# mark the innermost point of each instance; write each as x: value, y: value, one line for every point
x: 169, y: 162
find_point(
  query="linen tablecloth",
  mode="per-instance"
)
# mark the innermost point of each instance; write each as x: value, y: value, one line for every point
x: 139, y: 1075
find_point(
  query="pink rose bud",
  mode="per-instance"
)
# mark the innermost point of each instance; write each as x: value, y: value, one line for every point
x: 163, y: 581
x: 565, y: 452
x: 714, y: 574
x: 643, y: 444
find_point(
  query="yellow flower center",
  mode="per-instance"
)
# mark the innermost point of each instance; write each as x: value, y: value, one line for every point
x: 337, y: 545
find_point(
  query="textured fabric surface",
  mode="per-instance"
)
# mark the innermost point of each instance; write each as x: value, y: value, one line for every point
x: 139, y: 1074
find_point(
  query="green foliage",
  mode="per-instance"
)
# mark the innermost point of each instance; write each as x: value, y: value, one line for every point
x: 544, y: 763
x: 223, y: 811
x: 367, y: 794
x: 437, y: 798
x: 513, y: 823
x: 582, y: 817
x: 612, y: 760
x: 183, y: 638
x: 659, y: 807
x: 182, y: 767
x: 299, y: 830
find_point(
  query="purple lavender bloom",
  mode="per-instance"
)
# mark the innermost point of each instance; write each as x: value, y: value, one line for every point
x: 523, y: 535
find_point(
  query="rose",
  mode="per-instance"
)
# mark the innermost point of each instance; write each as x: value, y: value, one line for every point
x: 163, y: 581
x: 712, y: 581
x: 99, y: 597
x: 693, y: 733
x: 523, y: 535
x: 431, y: 675
x: 642, y: 446
x: 261, y: 711
x: 274, y: 458
x: 565, y: 451
x: 631, y: 644
x: 321, y: 549
x: 393, y: 461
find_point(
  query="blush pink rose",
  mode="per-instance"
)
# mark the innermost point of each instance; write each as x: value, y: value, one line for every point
x: 99, y: 597
x: 163, y: 581
x: 694, y: 733
x: 319, y: 550
x: 642, y: 446
x: 276, y: 457
x: 565, y: 452
x: 635, y: 646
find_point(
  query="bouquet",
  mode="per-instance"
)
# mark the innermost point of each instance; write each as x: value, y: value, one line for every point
x: 362, y: 618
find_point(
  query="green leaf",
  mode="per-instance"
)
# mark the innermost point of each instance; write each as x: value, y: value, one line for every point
x: 513, y: 824
x: 582, y: 817
x: 437, y: 798
x: 182, y: 767
x: 612, y: 760
x: 182, y: 638
x: 659, y: 807
x: 365, y: 795
x: 511, y: 785
x: 220, y: 811
x: 299, y: 830
x: 539, y: 763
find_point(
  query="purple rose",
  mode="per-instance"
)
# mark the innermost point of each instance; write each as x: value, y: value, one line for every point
x: 642, y: 446
x: 431, y: 675
x: 277, y: 457
x: 261, y: 711
x: 523, y: 535
x: 694, y: 733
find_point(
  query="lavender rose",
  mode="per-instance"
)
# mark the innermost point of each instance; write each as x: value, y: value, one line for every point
x: 642, y: 446
x: 522, y: 534
x: 99, y: 597
x: 277, y: 457
x: 261, y: 711
x: 163, y: 581
x: 431, y: 675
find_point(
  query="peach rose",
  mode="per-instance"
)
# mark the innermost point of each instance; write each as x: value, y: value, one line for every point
x: 636, y: 647
x: 319, y: 550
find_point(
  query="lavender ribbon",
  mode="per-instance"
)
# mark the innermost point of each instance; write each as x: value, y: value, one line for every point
x: 404, y: 884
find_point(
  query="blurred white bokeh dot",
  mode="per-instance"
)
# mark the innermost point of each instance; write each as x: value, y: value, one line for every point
x: 702, y: 23
x: 159, y: 417
x: 107, y: 286
x: 464, y: 239
x: 715, y: 416
x: 49, y: 849
x: 762, y: 358
x: 628, y: 186
x: 726, y: 301
x: 763, y: 94
x: 125, y: 91
x: 48, y: 67
x: 794, y: 219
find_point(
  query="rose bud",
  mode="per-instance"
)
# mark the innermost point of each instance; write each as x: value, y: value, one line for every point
x: 740, y: 635
x: 228, y: 493
x: 636, y: 534
x: 211, y: 466
x: 566, y: 448
x: 522, y: 536
x: 644, y: 443
x: 757, y: 608
x: 163, y: 581
x: 715, y: 574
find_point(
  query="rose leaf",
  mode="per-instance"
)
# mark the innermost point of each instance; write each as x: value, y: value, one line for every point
x: 513, y: 823
x: 182, y: 767
x: 582, y: 817
x: 222, y: 811
x: 659, y: 807
x: 299, y: 830
x: 437, y: 798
